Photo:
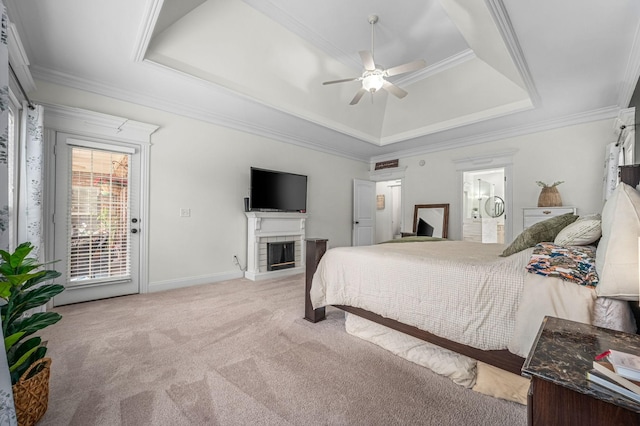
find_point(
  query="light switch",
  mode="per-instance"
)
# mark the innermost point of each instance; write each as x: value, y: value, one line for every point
x: 185, y: 212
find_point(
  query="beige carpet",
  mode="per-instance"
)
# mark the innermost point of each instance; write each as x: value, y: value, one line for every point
x: 239, y: 353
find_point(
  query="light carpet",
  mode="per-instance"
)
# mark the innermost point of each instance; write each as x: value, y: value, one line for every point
x: 239, y: 353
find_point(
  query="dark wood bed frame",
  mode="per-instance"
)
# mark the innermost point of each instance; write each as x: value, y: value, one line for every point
x: 503, y: 359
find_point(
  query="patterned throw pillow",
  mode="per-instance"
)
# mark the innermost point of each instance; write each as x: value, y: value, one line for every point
x: 584, y: 231
x: 574, y: 263
x: 546, y: 230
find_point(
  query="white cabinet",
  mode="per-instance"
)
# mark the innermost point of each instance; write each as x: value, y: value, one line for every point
x: 533, y: 215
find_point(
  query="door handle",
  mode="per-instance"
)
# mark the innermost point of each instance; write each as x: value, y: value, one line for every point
x: 134, y: 231
x: 356, y: 222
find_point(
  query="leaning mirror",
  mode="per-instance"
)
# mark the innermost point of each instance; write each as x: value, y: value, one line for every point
x: 431, y: 220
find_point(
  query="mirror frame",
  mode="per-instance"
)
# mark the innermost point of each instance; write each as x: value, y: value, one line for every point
x: 445, y: 219
x: 496, y: 201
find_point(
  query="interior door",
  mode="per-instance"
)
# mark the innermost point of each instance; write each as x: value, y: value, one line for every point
x: 96, y: 222
x: 364, y: 212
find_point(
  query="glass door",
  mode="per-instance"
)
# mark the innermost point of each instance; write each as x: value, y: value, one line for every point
x: 96, y: 223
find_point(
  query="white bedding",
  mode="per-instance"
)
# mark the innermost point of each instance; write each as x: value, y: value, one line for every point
x: 462, y: 291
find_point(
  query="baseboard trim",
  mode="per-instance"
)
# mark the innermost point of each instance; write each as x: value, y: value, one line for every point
x: 191, y: 281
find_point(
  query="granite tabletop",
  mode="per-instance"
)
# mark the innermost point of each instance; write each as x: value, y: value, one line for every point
x: 563, y: 353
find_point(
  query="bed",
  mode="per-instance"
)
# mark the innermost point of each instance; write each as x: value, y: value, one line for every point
x: 467, y: 298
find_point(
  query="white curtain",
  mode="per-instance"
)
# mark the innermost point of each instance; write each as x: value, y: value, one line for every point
x: 611, y: 163
x: 4, y: 134
x: 31, y: 179
x: 7, y: 407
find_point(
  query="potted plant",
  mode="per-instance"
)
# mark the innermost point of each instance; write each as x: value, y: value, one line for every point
x: 22, y: 287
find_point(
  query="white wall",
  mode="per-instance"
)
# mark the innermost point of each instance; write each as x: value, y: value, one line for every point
x: 574, y: 154
x: 204, y: 167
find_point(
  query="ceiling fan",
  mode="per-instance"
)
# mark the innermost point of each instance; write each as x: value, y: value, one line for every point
x: 373, y: 76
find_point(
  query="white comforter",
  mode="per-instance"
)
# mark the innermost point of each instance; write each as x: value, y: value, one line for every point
x: 461, y: 291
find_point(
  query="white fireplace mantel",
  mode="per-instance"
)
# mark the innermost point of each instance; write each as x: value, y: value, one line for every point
x: 266, y: 227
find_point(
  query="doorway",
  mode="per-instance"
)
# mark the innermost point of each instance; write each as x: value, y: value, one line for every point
x: 97, y: 218
x: 388, y: 210
x: 483, y: 205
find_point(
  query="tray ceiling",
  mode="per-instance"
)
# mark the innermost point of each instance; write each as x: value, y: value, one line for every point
x: 494, y: 68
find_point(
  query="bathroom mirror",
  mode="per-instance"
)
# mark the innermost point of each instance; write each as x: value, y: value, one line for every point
x: 431, y: 220
x: 494, y: 206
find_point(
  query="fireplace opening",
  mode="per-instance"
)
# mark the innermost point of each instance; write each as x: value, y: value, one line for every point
x: 281, y: 255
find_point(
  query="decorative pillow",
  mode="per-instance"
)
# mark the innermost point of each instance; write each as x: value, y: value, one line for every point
x: 582, y: 232
x: 539, y: 232
x: 617, y: 253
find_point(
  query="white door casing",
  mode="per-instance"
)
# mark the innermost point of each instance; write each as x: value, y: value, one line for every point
x: 364, y: 212
x: 100, y: 128
x: 96, y: 264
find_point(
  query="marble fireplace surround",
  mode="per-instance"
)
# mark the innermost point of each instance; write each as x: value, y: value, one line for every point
x: 271, y: 227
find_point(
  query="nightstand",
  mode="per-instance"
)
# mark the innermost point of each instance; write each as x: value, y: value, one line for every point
x: 560, y: 393
x: 531, y: 215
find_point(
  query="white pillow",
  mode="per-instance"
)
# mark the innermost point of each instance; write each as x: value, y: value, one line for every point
x: 582, y: 232
x: 617, y: 252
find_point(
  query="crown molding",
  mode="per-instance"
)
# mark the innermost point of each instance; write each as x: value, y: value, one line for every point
x: 631, y: 73
x: 145, y: 33
x: 501, y: 18
x: 465, y: 120
x: 438, y: 67
x: 19, y: 60
x: 65, y: 118
x: 569, y: 120
x: 175, y: 107
x: 263, y: 131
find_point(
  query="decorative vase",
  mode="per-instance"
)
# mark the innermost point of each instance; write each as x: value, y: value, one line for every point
x: 31, y: 394
x: 549, y: 197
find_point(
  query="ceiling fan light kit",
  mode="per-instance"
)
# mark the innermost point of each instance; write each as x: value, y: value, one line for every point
x: 373, y: 77
x: 372, y: 81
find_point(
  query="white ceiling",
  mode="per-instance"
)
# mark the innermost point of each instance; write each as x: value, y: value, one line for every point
x: 495, y: 69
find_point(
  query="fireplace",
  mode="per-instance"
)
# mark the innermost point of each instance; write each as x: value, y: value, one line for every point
x: 275, y: 244
x: 281, y: 255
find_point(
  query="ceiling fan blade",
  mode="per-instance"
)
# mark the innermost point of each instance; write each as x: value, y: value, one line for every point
x: 404, y: 68
x: 358, y: 96
x: 394, y: 90
x: 367, y: 60
x: 344, y: 80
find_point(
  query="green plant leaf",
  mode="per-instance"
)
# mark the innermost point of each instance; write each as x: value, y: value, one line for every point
x: 35, y: 356
x: 35, y: 297
x: 5, y: 289
x: 22, y: 359
x: 20, y: 253
x: 35, y: 322
x: 9, y: 341
x: 18, y: 351
x: 46, y: 275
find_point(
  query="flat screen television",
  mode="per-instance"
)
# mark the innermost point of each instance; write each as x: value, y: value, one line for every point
x: 278, y: 191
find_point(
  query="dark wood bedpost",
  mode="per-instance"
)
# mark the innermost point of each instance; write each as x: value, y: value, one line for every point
x: 316, y: 247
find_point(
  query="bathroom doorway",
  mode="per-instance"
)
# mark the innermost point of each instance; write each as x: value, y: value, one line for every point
x: 388, y: 210
x: 483, y: 205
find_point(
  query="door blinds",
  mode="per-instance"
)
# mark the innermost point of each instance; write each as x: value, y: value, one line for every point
x: 99, y: 215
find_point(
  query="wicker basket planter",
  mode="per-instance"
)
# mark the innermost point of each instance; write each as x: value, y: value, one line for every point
x: 549, y: 197
x: 31, y: 396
